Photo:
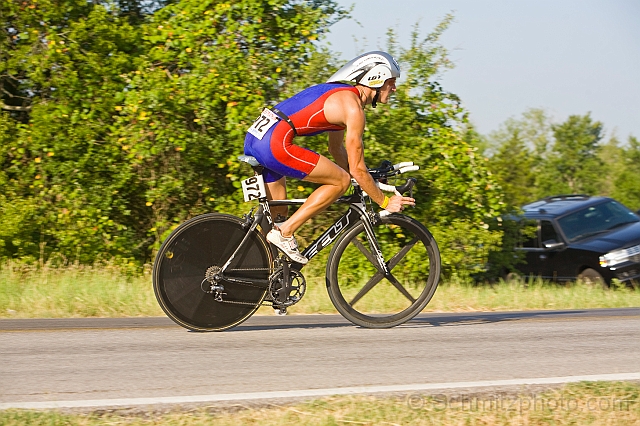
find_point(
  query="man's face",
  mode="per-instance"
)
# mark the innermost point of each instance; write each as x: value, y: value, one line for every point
x: 386, y: 90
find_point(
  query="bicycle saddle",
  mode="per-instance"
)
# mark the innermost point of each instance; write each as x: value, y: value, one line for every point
x: 249, y: 159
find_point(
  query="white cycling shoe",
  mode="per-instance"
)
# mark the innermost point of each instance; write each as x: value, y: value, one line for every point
x: 288, y: 245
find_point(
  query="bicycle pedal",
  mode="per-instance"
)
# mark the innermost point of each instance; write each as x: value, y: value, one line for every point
x: 280, y: 311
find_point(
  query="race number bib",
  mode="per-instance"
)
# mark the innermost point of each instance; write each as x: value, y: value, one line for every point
x: 262, y: 125
x: 253, y: 188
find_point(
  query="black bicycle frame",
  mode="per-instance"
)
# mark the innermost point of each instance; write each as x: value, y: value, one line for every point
x: 357, y: 210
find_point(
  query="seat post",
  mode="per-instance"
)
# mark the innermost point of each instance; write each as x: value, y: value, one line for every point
x: 258, y: 169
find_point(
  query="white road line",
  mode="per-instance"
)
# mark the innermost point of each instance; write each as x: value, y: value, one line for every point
x: 306, y: 393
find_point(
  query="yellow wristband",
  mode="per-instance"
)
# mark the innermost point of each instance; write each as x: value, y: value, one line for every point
x: 385, y: 203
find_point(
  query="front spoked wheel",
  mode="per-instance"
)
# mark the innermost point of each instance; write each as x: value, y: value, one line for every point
x: 362, y: 293
x: 194, y: 253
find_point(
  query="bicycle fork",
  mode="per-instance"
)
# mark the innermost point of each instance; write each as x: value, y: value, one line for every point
x: 373, y: 242
x: 375, y: 247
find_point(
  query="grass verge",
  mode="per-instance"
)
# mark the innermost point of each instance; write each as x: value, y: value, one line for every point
x: 108, y: 292
x: 601, y: 403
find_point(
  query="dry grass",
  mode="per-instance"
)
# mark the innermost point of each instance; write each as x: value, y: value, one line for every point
x: 576, y: 404
x: 107, y: 291
x: 72, y: 292
x: 532, y: 295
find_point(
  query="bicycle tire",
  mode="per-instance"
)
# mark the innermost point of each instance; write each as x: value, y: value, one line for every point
x: 362, y: 294
x: 186, y: 255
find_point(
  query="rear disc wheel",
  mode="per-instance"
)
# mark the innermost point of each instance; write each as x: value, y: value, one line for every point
x: 188, y: 257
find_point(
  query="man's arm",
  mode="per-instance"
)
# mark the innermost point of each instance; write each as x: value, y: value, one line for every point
x: 358, y: 167
x: 345, y: 108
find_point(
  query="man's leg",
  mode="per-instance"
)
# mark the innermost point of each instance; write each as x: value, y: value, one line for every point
x: 278, y: 191
x: 335, y: 182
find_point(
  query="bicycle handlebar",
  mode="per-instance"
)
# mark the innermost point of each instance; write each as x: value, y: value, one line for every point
x: 388, y: 169
x: 399, y: 190
x: 408, y: 186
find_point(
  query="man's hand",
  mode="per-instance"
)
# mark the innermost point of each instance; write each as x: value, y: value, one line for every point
x: 397, y: 203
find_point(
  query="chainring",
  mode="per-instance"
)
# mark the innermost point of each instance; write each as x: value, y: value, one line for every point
x: 297, y: 291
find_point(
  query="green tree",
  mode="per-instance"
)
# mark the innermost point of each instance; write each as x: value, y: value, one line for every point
x: 32, y: 31
x: 611, y: 155
x: 62, y: 77
x: 573, y: 164
x: 103, y: 109
x: 518, y: 153
x: 627, y: 186
x: 515, y: 167
x: 533, y: 128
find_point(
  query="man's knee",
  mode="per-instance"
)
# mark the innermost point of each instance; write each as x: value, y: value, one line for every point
x: 344, y: 181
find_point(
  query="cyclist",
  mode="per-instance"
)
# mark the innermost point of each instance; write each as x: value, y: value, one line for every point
x: 333, y: 107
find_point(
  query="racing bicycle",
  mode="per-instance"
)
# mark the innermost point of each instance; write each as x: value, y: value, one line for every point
x: 215, y: 270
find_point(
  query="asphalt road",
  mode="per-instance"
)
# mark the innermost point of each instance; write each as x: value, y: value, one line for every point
x: 125, y: 359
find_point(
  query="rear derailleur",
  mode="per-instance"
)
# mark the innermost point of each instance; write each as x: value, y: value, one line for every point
x: 212, y: 278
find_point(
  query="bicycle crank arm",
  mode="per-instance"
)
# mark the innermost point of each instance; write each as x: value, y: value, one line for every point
x: 283, y: 293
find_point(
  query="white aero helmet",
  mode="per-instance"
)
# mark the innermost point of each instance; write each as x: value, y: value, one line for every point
x: 370, y: 69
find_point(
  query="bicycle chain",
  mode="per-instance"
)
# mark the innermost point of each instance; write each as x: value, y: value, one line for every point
x: 233, y: 302
x: 250, y: 269
x: 263, y: 303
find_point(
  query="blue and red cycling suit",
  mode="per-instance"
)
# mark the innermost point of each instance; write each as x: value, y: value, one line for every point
x: 276, y: 151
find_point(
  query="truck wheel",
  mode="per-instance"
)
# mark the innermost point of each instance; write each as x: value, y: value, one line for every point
x: 592, y: 277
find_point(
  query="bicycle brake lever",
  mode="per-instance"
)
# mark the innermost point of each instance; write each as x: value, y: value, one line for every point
x: 408, y: 186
